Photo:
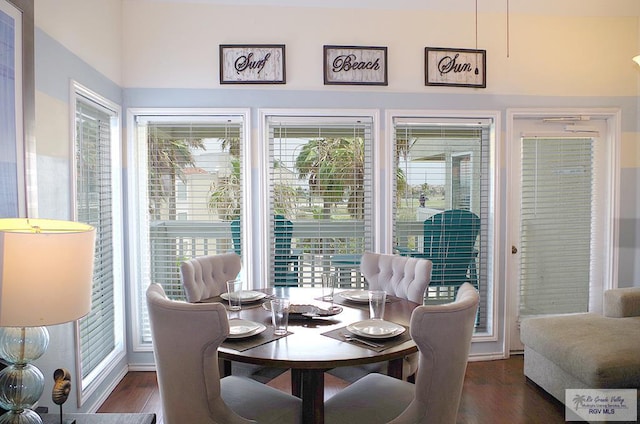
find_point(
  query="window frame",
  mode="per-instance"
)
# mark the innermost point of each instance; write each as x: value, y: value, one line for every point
x: 256, y: 183
x: 88, y: 385
x: 493, y: 217
x: 262, y: 219
x: 610, y: 233
x: 24, y: 108
x: 607, y: 178
x: 136, y: 203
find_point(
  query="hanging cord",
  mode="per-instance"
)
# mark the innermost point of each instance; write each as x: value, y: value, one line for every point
x: 477, y: 24
x: 507, y: 28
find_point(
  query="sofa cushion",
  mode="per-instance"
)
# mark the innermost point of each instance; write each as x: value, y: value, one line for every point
x: 621, y: 303
x: 601, y: 351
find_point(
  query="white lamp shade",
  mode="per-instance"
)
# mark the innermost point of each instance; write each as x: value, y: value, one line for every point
x: 46, y: 271
x: 637, y: 59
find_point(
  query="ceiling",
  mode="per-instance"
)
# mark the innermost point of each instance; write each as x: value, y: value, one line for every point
x: 542, y: 7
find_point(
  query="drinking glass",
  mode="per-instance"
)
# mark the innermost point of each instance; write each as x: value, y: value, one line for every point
x: 280, y: 315
x: 328, y: 285
x: 234, y: 289
x: 377, y: 300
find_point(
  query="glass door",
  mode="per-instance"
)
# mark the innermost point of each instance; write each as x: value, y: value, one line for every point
x: 560, y: 175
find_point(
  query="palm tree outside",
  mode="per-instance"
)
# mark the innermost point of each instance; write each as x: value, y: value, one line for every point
x: 167, y: 159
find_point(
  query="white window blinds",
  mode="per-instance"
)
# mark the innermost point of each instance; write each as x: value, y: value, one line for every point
x: 96, y: 204
x: 193, y: 193
x: 556, y: 225
x: 11, y: 165
x: 442, y: 195
x: 320, y: 197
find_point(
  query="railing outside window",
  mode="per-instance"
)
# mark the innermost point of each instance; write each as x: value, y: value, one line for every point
x: 173, y: 241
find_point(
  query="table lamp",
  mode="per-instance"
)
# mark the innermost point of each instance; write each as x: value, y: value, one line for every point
x: 46, y: 272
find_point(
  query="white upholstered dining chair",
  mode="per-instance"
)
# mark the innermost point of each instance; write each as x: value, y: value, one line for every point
x: 186, y: 337
x: 204, y: 277
x: 443, y: 335
x: 399, y: 276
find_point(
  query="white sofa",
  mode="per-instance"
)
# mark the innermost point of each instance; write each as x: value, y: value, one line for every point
x: 588, y: 350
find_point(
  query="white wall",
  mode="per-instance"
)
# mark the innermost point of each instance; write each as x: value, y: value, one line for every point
x: 79, y: 40
x: 170, y: 44
x: 91, y: 29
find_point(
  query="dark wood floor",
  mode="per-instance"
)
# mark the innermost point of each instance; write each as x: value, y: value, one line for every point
x: 494, y: 392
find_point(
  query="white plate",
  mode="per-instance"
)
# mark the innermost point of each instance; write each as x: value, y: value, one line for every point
x: 376, y: 329
x: 356, y: 295
x: 240, y: 328
x: 247, y: 296
x: 308, y: 311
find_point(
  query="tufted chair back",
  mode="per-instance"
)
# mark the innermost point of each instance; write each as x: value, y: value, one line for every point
x: 206, y: 276
x: 187, y: 360
x: 399, y: 276
x: 443, y: 335
x: 186, y: 337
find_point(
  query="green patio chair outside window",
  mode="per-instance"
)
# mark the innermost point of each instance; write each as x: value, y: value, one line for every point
x: 286, y: 263
x: 449, y: 241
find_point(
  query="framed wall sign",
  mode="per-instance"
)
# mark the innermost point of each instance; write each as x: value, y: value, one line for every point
x: 355, y: 65
x: 252, y: 64
x: 455, y: 67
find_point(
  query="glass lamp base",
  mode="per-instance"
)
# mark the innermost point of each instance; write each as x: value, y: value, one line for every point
x: 21, y: 383
x: 26, y: 416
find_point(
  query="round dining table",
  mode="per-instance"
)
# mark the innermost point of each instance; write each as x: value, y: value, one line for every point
x: 309, y: 351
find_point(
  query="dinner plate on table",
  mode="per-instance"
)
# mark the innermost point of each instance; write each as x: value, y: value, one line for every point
x: 376, y: 329
x: 241, y: 328
x: 361, y: 296
x: 247, y: 296
x: 308, y: 311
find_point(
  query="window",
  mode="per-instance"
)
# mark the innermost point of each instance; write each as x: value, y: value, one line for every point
x: 97, y: 202
x: 189, y: 191
x: 443, y: 180
x: 320, y: 197
x: 17, y: 109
